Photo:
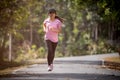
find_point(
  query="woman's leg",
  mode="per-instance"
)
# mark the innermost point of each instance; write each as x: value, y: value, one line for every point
x: 54, y: 45
x: 49, y: 47
x: 51, y: 51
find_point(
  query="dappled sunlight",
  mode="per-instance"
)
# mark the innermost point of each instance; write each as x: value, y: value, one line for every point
x: 89, y: 39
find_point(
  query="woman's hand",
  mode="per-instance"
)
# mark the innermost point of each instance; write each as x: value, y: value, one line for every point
x: 44, y: 27
x: 55, y: 30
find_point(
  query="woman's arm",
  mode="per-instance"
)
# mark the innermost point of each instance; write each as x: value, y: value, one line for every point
x: 56, y: 30
x: 44, y: 27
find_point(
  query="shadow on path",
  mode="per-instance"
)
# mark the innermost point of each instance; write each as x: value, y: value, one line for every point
x: 79, y: 62
x: 65, y: 69
x: 59, y: 76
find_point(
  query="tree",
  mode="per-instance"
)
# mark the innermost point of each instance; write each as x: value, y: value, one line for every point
x: 12, y: 14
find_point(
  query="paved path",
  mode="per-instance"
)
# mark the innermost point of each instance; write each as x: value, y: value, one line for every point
x: 69, y: 68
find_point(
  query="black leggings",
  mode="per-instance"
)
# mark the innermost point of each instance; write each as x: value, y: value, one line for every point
x: 51, y: 51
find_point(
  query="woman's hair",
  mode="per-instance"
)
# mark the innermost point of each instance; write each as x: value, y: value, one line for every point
x: 57, y: 17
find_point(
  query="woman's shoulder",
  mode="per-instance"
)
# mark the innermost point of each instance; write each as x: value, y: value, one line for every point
x: 57, y: 20
x: 46, y: 20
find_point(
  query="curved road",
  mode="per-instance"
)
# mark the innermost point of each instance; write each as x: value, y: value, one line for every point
x: 69, y: 68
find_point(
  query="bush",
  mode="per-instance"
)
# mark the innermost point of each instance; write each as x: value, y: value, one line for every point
x: 33, y: 53
x: 41, y: 52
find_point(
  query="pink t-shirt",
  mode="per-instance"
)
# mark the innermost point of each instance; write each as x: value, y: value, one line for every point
x: 49, y: 34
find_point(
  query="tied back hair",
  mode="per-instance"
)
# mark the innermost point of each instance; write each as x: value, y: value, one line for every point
x: 57, y: 17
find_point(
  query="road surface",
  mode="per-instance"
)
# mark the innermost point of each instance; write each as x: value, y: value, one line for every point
x: 69, y: 68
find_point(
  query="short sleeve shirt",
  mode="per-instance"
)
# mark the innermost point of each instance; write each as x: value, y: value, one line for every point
x: 51, y: 35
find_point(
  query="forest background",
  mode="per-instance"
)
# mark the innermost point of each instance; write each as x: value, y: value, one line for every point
x: 90, y: 27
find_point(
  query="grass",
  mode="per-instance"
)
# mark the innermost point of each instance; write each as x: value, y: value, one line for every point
x: 113, y: 59
x: 9, y: 70
x: 112, y: 63
x: 9, y: 67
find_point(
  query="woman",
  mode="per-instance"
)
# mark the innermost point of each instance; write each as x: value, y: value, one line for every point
x: 51, y: 26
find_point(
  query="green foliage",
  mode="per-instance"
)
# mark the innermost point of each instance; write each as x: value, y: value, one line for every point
x: 41, y: 52
x: 25, y: 54
x: 12, y: 14
x: 88, y: 26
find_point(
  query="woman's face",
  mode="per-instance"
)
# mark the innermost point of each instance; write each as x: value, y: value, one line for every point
x: 52, y: 15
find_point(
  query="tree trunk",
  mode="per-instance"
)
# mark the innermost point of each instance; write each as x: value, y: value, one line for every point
x: 2, y: 49
x: 1, y: 54
x: 112, y: 30
x: 96, y: 33
x: 10, y: 48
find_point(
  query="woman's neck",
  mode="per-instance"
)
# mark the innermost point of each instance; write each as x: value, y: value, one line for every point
x: 52, y: 19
